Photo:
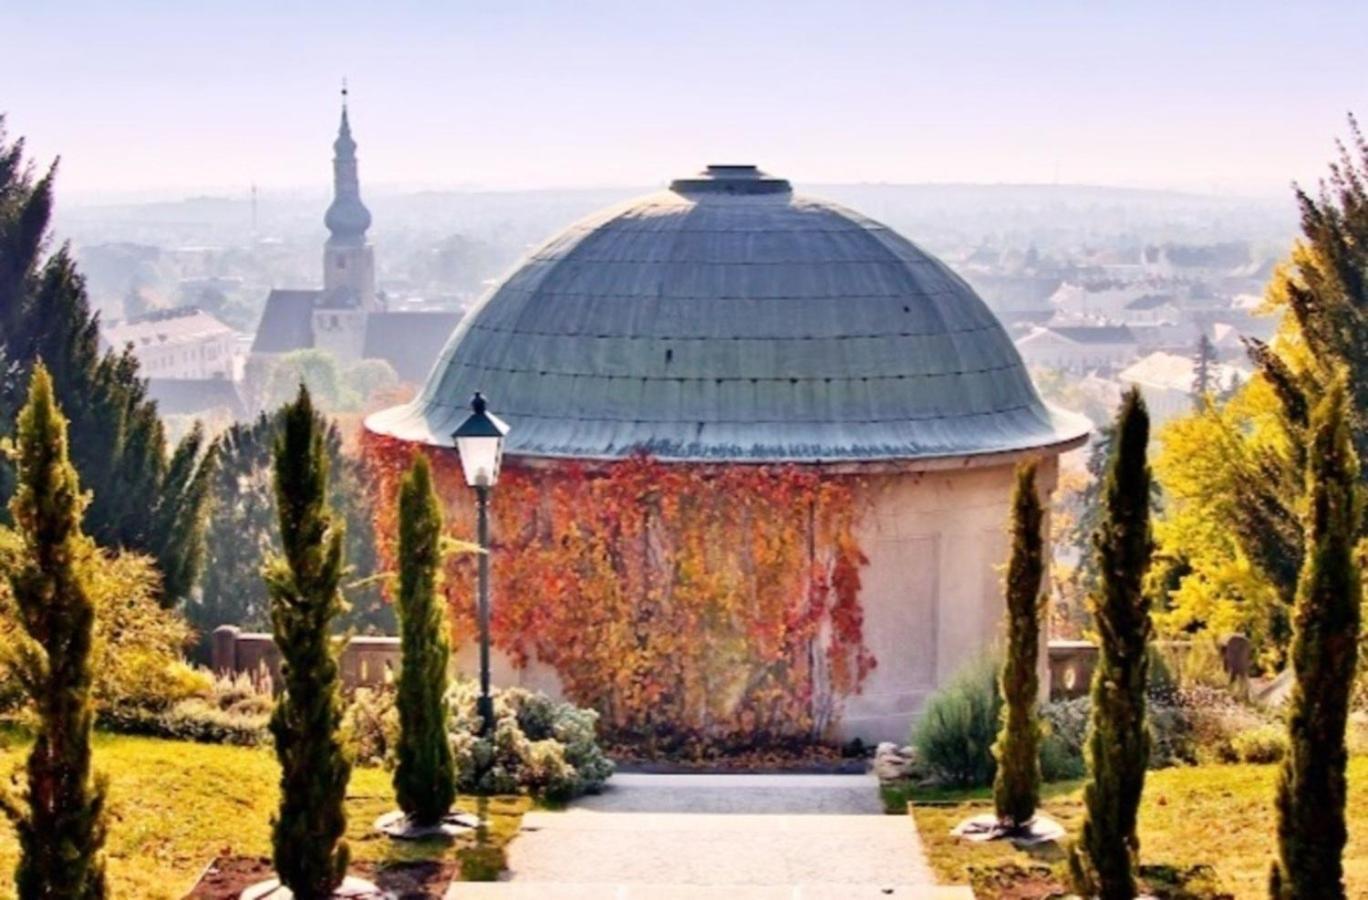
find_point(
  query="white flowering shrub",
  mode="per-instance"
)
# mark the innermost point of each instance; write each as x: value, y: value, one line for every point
x: 544, y: 747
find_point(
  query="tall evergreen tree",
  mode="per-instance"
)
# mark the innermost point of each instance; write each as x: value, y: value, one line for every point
x: 1311, y: 789
x: 1016, y: 789
x: 1324, y: 289
x: 425, y: 778
x: 149, y: 500
x: 1118, y: 747
x: 1203, y: 372
x: 60, y: 819
x: 304, y: 586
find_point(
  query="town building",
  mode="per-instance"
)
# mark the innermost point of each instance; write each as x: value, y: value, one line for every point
x: 1169, y: 382
x: 184, y: 343
x: 1079, y: 348
x: 729, y: 322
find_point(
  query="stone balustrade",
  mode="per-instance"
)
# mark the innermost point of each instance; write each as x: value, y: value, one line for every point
x: 365, y: 661
x: 1071, y: 663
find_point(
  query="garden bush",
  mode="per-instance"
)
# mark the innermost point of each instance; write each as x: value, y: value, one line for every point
x: 371, y: 726
x: 1066, y: 728
x: 229, y: 710
x: 1188, y: 726
x: 954, y: 737
x: 540, y: 746
x: 1265, y: 744
x: 544, y: 747
x: 137, y: 648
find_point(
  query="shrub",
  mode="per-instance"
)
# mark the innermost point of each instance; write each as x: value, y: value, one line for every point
x: 371, y: 726
x: 234, y: 709
x: 1187, y: 727
x: 1265, y: 744
x: 136, y: 648
x: 1189, y: 665
x: 955, y: 734
x: 1066, y: 730
x: 189, y: 720
x: 545, y: 747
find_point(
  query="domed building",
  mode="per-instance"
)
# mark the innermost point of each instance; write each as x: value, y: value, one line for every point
x: 730, y: 324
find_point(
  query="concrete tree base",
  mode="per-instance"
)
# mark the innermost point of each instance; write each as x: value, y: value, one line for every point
x: 397, y: 825
x: 1040, y: 830
x: 351, y: 889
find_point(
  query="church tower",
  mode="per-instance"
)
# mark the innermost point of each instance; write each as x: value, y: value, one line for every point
x: 339, y: 321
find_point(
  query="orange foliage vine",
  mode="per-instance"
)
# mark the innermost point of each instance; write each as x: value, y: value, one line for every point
x: 697, y: 608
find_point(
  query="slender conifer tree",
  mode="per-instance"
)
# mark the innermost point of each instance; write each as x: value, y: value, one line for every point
x: 425, y: 778
x: 1311, y: 789
x: 1103, y: 861
x: 1016, y: 789
x: 60, y: 818
x: 303, y: 583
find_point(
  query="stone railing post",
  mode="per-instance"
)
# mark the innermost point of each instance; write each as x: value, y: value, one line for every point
x: 223, y: 649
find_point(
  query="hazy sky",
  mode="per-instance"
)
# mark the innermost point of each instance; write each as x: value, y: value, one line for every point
x: 179, y: 96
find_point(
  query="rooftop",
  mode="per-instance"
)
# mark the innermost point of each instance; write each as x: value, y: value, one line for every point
x: 164, y: 326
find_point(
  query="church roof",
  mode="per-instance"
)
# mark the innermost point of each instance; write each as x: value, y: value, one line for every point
x: 286, y: 322
x: 409, y: 341
x: 730, y: 319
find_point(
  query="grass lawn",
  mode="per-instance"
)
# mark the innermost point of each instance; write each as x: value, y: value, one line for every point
x: 1221, y: 816
x: 175, y: 806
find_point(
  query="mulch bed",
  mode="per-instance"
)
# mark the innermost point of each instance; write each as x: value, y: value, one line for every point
x: 228, y: 876
x: 806, y: 760
x: 1013, y: 882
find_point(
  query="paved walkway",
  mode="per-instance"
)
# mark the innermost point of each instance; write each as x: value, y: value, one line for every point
x: 688, y: 837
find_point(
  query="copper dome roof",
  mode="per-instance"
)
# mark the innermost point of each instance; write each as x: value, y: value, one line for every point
x: 728, y: 319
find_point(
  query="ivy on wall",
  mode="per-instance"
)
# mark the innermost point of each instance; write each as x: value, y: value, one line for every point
x: 697, y: 608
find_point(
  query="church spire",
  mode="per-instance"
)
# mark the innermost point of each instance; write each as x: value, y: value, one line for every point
x: 347, y: 218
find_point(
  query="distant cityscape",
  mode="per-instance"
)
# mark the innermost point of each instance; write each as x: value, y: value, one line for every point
x: 1098, y: 287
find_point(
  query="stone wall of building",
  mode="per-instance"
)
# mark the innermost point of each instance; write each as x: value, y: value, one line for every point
x: 931, y: 594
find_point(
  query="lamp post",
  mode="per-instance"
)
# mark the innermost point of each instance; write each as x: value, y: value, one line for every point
x: 479, y: 440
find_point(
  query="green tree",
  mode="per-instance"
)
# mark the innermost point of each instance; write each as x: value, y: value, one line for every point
x: 150, y: 500
x: 425, y: 778
x: 1118, y: 746
x: 304, y: 585
x: 1311, y: 788
x: 1016, y: 789
x: 1203, y: 372
x: 317, y: 369
x: 243, y: 531
x: 60, y: 819
x: 1089, y: 512
x: 1234, y: 473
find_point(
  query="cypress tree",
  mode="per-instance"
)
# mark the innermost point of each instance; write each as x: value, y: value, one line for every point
x: 1118, y: 747
x: 425, y: 778
x: 1016, y: 789
x: 1311, y: 787
x: 150, y: 500
x: 303, y: 584
x: 1203, y: 372
x: 60, y: 819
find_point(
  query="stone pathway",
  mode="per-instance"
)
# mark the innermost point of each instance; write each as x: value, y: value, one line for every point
x: 690, y: 837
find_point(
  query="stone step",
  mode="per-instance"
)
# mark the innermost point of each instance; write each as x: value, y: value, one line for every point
x: 544, y: 890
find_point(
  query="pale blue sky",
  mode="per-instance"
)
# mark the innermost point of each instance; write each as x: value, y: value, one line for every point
x: 177, y: 96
